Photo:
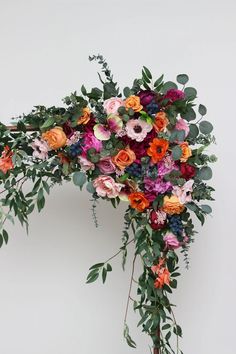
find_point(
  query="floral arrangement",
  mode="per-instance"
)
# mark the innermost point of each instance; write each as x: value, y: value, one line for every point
x: 145, y: 147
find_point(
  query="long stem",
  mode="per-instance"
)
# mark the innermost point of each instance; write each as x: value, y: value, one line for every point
x: 130, y: 288
x: 116, y: 254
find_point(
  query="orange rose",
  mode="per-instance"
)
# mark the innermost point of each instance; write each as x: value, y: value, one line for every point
x: 157, y: 149
x: 55, y: 137
x: 172, y: 205
x: 163, y: 278
x: 124, y: 158
x: 134, y: 103
x: 138, y: 201
x: 186, y: 151
x: 85, y: 118
x: 161, y: 122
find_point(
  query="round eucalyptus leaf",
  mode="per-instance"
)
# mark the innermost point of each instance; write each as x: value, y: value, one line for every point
x: 189, y: 115
x: 205, y: 173
x: 205, y: 127
x: 190, y: 92
x: 167, y: 86
x: 202, y: 110
x: 176, y: 152
x: 206, y: 208
x: 193, y: 131
x: 182, y: 79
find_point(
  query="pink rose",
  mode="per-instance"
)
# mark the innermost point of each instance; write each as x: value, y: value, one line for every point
x: 106, y: 165
x: 106, y: 186
x: 171, y: 241
x: 112, y: 104
x: 182, y: 125
x: 85, y: 164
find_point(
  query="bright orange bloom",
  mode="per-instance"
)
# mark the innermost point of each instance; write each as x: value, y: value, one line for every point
x: 134, y: 103
x: 55, y: 137
x: 172, y: 205
x: 157, y: 149
x: 161, y: 122
x: 162, y: 279
x: 85, y: 118
x: 186, y: 151
x: 138, y: 201
x: 124, y: 158
x: 6, y: 163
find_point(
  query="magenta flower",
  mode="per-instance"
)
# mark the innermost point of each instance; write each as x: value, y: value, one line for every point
x: 166, y: 165
x: 174, y: 95
x: 171, y: 241
x: 90, y: 141
x: 182, y: 125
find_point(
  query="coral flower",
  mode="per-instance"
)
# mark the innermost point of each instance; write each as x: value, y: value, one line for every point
x: 161, y: 122
x: 134, y: 103
x: 157, y: 149
x: 85, y: 118
x: 138, y: 201
x: 124, y: 158
x: 6, y: 163
x: 186, y: 151
x: 172, y: 205
x: 162, y: 279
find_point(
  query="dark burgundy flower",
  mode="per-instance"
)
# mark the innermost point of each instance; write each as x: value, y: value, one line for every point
x: 157, y: 219
x: 187, y: 171
x: 146, y: 97
x: 174, y: 95
x: 68, y: 130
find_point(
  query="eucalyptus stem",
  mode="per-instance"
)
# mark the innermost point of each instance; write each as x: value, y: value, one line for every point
x: 130, y: 289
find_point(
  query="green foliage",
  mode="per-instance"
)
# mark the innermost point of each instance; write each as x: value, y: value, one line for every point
x: 182, y: 79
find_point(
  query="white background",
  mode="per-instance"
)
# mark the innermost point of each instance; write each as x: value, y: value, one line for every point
x: 45, y: 306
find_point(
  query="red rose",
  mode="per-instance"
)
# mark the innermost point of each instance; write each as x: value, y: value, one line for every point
x: 157, y: 219
x: 187, y: 171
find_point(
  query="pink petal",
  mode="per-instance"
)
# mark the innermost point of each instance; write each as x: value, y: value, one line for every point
x: 101, y: 133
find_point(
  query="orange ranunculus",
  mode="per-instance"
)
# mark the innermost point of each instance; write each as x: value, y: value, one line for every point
x: 172, y: 205
x: 162, y: 279
x: 124, y: 158
x: 55, y: 137
x: 6, y: 163
x: 157, y: 149
x: 161, y: 122
x: 85, y: 118
x: 186, y: 151
x: 138, y: 201
x: 134, y: 103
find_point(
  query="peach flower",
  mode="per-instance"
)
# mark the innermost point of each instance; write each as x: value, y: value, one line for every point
x: 161, y: 122
x: 186, y: 151
x: 55, y: 137
x: 124, y: 158
x: 85, y: 118
x: 172, y: 205
x: 134, y: 103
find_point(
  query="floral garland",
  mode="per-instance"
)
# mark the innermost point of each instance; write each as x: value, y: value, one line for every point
x: 144, y: 148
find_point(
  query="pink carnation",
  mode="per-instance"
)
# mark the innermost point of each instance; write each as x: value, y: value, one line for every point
x: 90, y: 141
x: 174, y: 95
x: 113, y: 104
x: 171, y: 241
x: 106, y: 186
x: 106, y: 165
x: 182, y: 125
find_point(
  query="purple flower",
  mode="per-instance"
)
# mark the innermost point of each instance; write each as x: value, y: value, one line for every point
x: 155, y: 187
x: 68, y: 130
x: 146, y: 97
x: 166, y: 165
x: 174, y: 95
x: 171, y: 241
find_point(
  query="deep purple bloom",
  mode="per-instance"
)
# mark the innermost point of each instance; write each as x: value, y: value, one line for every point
x: 68, y: 130
x: 146, y: 97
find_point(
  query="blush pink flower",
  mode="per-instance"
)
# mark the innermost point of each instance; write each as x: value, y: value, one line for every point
x: 107, y: 187
x: 85, y: 164
x: 106, y: 165
x: 104, y: 131
x: 113, y: 104
x: 137, y: 129
x: 182, y: 125
x: 184, y: 193
x: 171, y: 241
x: 40, y: 148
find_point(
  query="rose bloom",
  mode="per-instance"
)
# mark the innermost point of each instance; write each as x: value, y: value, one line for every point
x: 137, y: 129
x: 146, y: 97
x: 174, y: 95
x: 187, y: 171
x: 55, y: 137
x: 112, y: 105
x: 6, y: 163
x: 85, y: 164
x: 124, y: 158
x: 85, y: 118
x: 186, y: 151
x: 161, y: 122
x: 134, y: 103
x: 163, y: 278
x: 106, y: 186
x: 182, y: 125
x: 106, y: 165
x: 138, y: 201
x: 171, y: 241
x: 157, y: 219
x: 172, y: 205
x: 157, y: 149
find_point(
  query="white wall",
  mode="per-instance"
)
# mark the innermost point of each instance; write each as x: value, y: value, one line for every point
x: 45, y: 306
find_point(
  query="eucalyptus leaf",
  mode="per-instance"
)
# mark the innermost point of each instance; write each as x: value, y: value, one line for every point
x: 182, y: 79
x: 176, y: 152
x: 205, y: 173
x: 205, y: 127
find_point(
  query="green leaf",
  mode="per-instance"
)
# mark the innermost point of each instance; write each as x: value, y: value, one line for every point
x: 48, y: 123
x: 191, y: 206
x: 127, y: 92
x: 176, y: 152
x: 189, y: 115
x: 1, y: 240
x: 110, y: 90
x: 193, y: 131
x: 202, y: 110
x: 158, y: 81
x: 5, y: 236
x: 83, y: 90
x: 205, y: 173
x: 104, y: 275
x: 129, y: 340
x: 147, y: 72
x: 182, y: 79
x: 90, y: 188
x: 166, y: 326
x: 79, y: 178
x: 168, y: 85
x: 206, y: 208
x: 205, y: 127
x: 96, y: 266
x: 190, y: 93
x: 109, y: 267
x: 92, y: 278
